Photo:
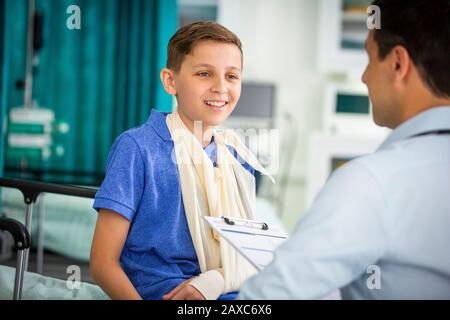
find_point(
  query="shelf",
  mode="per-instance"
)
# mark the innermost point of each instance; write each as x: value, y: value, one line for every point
x: 354, y: 17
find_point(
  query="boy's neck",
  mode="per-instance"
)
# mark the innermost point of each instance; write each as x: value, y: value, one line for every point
x: 207, y: 137
x: 202, y: 134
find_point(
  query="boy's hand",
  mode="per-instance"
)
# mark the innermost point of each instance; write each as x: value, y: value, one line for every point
x: 184, y: 291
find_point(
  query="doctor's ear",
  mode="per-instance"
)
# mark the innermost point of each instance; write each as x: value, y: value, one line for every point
x: 168, y: 82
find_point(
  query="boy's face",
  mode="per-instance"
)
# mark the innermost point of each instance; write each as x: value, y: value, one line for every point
x: 208, y: 84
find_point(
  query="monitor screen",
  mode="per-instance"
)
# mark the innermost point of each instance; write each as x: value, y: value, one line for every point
x: 257, y: 101
x: 352, y: 103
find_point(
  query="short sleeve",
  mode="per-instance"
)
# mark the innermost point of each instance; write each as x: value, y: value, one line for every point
x: 123, y: 185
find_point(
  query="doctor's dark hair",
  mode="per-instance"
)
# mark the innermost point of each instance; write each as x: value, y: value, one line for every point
x: 423, y: 28
x: 184, y: 40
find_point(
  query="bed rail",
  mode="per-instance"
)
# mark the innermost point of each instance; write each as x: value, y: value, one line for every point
x: 31, y: 191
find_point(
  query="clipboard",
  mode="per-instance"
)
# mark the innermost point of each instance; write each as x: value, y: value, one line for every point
x: 254, y: 240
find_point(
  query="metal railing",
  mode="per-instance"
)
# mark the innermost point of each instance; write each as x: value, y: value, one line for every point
x: 31, y: 190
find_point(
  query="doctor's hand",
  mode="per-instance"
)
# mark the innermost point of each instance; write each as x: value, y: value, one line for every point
x: 184, y: 291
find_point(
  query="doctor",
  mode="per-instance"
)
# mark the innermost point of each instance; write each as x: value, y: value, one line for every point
x: 380, y: 228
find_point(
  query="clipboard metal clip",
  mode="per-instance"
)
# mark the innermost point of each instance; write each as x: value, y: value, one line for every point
x: 246, y: 223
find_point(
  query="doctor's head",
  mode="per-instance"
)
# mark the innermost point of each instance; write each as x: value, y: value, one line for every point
x: 409, y: 59
x: 203, y: 72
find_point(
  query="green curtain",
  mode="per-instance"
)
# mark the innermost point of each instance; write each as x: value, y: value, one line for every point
x: 100, y: 80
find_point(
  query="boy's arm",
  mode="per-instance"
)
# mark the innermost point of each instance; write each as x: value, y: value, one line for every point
x: 207, y: 285
x: 184, y: 291
x: 110, y: 234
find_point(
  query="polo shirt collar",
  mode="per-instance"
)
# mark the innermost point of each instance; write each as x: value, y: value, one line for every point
x: 434, y: 119
x: 157, y: 121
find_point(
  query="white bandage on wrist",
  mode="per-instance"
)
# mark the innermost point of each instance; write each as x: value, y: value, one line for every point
x: 209, y: 283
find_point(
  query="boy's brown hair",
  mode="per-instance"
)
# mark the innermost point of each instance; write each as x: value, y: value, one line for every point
x: 184, y: 40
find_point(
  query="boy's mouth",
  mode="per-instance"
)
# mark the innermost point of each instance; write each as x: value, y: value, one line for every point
x: 216, y: 104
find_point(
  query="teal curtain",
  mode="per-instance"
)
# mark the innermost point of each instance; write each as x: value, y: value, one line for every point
x: 100, y: 80
x: 3, y: 79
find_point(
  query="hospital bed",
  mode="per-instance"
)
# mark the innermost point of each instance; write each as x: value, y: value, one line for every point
x: 37, y: 286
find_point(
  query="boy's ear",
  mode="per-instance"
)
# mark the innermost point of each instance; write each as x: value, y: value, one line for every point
x: 168, y: 82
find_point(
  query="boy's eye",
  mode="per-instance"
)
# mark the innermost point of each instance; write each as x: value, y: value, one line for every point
x: 233, y: 77
x: 203, y: 74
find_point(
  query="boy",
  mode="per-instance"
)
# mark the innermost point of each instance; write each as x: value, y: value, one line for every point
x: 150, y: 240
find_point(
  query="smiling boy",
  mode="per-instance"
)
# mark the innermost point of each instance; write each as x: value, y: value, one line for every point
x: 150, y: 240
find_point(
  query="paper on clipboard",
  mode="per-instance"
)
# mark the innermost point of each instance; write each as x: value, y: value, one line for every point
x: 249, y: 239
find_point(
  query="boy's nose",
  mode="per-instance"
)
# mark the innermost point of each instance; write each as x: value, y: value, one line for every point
x: 219, y: 87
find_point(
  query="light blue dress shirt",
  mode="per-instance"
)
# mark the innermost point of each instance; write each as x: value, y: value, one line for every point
x: 379, y: 229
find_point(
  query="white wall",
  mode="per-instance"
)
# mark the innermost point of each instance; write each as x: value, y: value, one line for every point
x: 280, y: 45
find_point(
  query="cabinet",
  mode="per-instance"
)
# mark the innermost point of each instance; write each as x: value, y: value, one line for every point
x: 342, y: 33
x: 348, y: 129
x: 347, y: 111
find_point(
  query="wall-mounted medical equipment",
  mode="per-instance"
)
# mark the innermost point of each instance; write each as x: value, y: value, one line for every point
x: 31, y: 129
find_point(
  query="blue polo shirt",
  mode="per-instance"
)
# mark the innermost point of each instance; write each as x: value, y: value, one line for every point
x: 142, y: 184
